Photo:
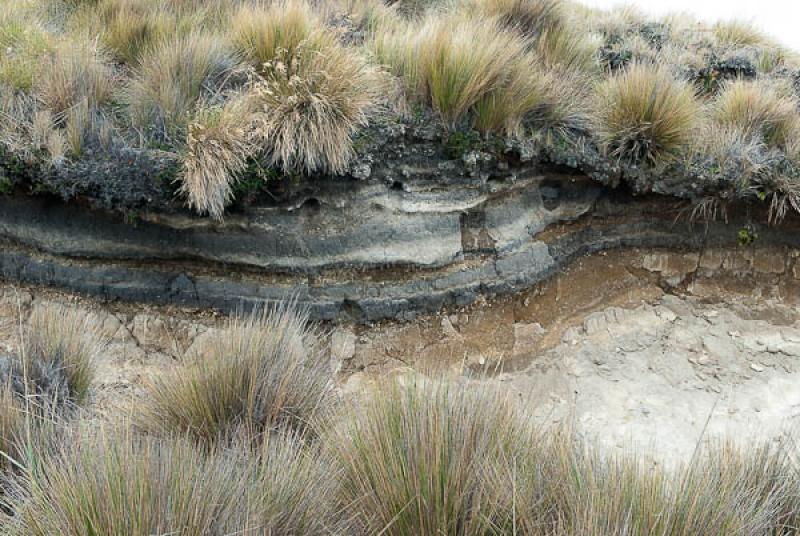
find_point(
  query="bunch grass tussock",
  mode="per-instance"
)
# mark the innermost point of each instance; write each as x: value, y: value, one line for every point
x: 738, y: 33
x: 173, y: 77
x: 308, y: 104
x: 218, y: 144
x: 760, y: 109
x: 261, y: 35
x: 412, y: 460
x: 494, y: 88
x: 645, y: 115
x: 121, y: 484
x: 263, y: 371
x: 128, y: 27
x: 530, y: 17
x: 457, y: 74
x: 77, y: 73
x: 57, y: 355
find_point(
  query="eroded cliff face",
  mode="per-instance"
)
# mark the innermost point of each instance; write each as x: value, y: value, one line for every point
x: 359, y: 251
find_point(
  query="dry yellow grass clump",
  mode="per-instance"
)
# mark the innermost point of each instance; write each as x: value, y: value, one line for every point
x: 308, y: 103
x: 760, y: 110
x: 235, y: 88
x: 645, y: 115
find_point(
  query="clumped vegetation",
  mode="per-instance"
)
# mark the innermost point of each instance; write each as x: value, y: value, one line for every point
x: 43, y: 383
x: 645, y: 115
x: 417, y: 456
x: 262, y: 371
x: 231, y: 89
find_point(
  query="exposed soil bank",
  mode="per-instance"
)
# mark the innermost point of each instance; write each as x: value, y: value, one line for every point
x: 362, y: 253
x: 645, y: 348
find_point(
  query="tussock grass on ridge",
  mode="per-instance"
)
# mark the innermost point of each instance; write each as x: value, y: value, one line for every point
x: 645, y: 115
x: 92, y: 77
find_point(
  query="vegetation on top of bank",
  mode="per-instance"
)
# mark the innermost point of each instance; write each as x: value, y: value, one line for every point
x: 226, y: 90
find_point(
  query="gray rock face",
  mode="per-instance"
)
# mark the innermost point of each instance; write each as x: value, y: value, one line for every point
x: 355, y: 251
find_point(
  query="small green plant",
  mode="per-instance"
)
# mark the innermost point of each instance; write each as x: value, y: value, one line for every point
x: 6, y: 186
x: 747, y: 236
x: 459, y: 143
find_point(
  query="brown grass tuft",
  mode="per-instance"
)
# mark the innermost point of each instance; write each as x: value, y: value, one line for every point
x: 645, y: 115
x: 308, y: 105
x: 261, y: 372
x: 760, y: 110
x: 218, y: 144
x: 78, y: 73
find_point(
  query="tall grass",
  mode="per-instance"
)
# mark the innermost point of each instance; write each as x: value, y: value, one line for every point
x: 261, y: 34
x: 218, y: 144
x: 645, y: 115
x: 127, y: 27
x: 172, y: 77
x: 133, y: 486
x: 739, y: 33
x: 262, y: 371
x: 117, y: 482
x: 77, y: 73
x: 24, y: 43
x: 458, y: 73
x: 759, y: 109
x: 531, y: 17
x: 57, y: 354
x: 423, y: 457
x: 310, y: 102
x: 413, y: 459
x: 444, y: 459
x: 295, y: 486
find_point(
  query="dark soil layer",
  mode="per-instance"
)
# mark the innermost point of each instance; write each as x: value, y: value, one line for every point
x: 361, y: 253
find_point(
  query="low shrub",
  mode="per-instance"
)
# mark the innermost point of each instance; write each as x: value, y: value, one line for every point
x: 644, y: 115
